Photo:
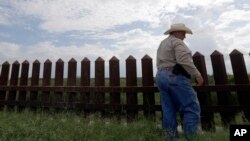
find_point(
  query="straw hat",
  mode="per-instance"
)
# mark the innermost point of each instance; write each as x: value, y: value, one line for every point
x: 178, y: 27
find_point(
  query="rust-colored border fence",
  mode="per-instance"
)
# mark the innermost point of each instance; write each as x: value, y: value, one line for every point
x: 17, y: 93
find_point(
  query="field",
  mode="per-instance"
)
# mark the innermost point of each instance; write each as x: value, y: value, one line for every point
x: 66, y: 126
x: 29, y: 126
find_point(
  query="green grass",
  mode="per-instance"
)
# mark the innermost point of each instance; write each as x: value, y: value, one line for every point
x: 40, y: 126
x: 29, y: 126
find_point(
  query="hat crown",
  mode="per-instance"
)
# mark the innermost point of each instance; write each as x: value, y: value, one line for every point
x: 178, y: 25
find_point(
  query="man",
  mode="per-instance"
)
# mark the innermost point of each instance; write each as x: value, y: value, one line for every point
x: 176, y: 91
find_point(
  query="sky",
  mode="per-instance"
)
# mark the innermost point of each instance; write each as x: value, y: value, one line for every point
x: 54, y: 29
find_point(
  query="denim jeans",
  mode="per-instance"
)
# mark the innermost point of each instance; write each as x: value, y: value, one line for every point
x: 177, y: 94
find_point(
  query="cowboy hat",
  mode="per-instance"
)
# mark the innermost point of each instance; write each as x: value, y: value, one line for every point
x: 178, y: 27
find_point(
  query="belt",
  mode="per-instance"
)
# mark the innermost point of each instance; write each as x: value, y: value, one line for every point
x: 166, y: 68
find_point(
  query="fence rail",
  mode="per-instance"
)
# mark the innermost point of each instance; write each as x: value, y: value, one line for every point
x: 205, y: 88
x: 24, y: 92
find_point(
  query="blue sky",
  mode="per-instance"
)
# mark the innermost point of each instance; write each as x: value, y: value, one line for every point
x: 53, y: 29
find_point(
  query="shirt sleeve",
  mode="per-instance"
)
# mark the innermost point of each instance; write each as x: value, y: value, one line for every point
x: 184, y: 57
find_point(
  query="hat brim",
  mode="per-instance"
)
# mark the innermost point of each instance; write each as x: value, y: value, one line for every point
x: 185, y: 29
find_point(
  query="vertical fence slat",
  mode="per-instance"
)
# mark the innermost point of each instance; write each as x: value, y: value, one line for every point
x: 99, y: 98
x: 148, y: 80
x: 23, y: 82
x: 13, y: 82
x: 114, y: 73
x: 72, y: 64
x: 131, y: 80
x: 34, y: 82
x: 85, y: 81
x: 241, y: 77
x: 46, y: 82
x: 4, y: 82
x: 220, y: 77
x: 207, y: 118
x: 58, y: 98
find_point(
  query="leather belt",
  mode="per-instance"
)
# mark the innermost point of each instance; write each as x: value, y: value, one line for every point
x: 166, y: 68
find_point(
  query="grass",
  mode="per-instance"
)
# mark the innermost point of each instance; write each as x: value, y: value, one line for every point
x: 72, y: 127
x: 29, y: 126
x: 40, y: 126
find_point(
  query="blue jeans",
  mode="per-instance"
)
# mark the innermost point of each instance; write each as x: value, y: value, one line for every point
x: 177, y: 94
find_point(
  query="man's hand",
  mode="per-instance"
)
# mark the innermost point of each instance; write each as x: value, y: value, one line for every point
x: 199, y: 80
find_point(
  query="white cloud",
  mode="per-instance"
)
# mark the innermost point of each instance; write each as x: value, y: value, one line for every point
x: 218, y: 24
x: 135, y: 40
x: 47, y: 50
x: 4, y: 16
x: 9, y: 51
x: 231, y: 19
x: 242, y: 37
x: 63, y: 15
x: 60, y: 16
x: 132, y: 43
x: 95, y: 15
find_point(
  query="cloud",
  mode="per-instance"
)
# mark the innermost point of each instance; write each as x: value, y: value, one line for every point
x: 98, y: 15
x: 62, y: 15
x: 96, y: 24
x: 129, y: 42
x: 4, y: 14
x: 232, y: 18
x: 137, y: 42
x: 9, y: 51
x: 92, y: 15
x: 132, y: 43
x: 47, y: 50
